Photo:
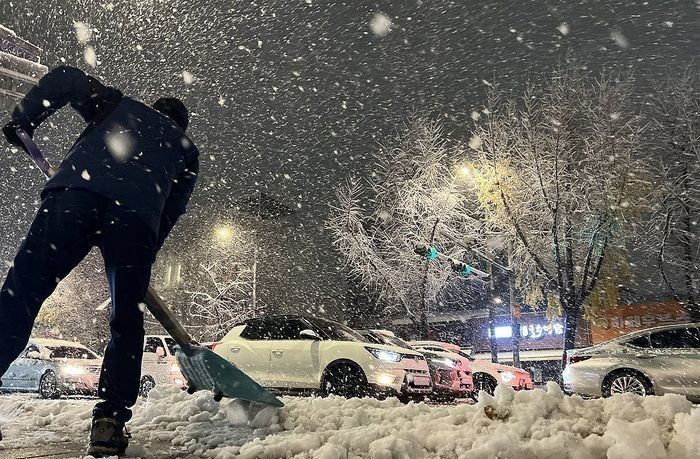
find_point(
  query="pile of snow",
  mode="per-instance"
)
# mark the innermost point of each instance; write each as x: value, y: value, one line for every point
x: 523, y: 425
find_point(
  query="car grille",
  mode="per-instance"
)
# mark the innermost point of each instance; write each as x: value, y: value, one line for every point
x: 412, y: 357
x: 416, y: 371
x: 93, y: 370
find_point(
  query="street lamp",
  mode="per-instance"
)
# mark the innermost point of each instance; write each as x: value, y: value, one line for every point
x: 224, y: 233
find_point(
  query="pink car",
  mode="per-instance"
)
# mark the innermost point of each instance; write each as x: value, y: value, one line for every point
x: 487, y: 375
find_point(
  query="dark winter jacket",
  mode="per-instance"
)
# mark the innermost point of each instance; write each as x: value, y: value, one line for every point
x: 128, y: 152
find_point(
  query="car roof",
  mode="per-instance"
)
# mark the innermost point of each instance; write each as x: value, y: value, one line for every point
x: 287, y: 316
x: 56, y: 342
x: 646, y: 331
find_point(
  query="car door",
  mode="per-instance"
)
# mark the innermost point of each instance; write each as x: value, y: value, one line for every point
x: 675, y: 358
x: 22, y: 373
x: 152, y: 364
x: 295, y: 359
x: 251, y: 350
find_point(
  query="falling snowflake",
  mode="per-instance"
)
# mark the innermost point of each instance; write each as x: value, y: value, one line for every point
x: 187, y: 77
x: 380, y: 25
x: 120, y: 145
x: 475, y: 142
x: 563, y: 28
x: 90, y: 56
x: 82, y: 31
x: 85, y: 175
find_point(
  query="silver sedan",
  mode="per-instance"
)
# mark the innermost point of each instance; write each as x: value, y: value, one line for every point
x: 53, y: 368
x: 657, y: 361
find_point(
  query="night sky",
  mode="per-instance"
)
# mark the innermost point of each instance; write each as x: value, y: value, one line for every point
x: 290, y: 97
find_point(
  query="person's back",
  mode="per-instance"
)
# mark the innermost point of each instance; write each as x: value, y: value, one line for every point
x: 121, y: 188
x: 132, y: 156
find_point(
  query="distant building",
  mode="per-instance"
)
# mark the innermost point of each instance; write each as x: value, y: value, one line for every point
x: 20, y: 67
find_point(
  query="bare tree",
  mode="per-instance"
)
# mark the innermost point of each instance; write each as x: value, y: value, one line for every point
x: 223, y: 299
x: 673, y: 225
x: 559, y: 180
x: 411, y: 198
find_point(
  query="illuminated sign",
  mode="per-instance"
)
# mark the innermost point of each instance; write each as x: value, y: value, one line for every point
x: 536, y: 330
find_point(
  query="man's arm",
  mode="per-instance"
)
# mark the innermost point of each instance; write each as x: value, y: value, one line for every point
x: 178, y: 198
x: 62, y: 85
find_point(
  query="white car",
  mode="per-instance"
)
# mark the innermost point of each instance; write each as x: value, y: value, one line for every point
x: 659, y: 360
x: 53, y: 368
x: 159, y: 365
x: 293, y: 353
x: 487, y: 375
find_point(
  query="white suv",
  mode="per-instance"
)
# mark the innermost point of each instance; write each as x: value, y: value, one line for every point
x: 159, y: 365
x: 298, y: 353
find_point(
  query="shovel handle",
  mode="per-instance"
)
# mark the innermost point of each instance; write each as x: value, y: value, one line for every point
x: 162, y: 313
x: 36, y: 154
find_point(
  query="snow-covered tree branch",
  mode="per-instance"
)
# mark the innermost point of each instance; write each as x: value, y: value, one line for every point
x: 560, y: 181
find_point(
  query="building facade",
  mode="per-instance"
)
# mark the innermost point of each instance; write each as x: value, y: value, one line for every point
x: 20, y: 68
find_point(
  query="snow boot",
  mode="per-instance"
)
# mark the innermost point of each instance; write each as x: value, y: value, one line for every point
x: 107, y: 438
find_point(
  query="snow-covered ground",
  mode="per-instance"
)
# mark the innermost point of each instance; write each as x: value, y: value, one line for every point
x: 538, y: 424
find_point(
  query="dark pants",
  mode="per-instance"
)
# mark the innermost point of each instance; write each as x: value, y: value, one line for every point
x: 67, y: 226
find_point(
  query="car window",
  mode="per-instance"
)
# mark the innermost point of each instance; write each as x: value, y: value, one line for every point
x: 337, y: 332
x: 640, y: 341
x: 70, y: 352
x: 31, y: 348
x: 677, y: 338
x: 289, y: 329
x: 171, y: 345
x: 152, y: 344
x: 259, y: 330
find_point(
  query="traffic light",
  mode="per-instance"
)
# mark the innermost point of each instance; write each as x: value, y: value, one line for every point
x: 423, y: 250
x: 462, y: 268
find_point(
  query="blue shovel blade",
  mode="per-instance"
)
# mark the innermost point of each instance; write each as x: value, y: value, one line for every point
x: 205, y: 370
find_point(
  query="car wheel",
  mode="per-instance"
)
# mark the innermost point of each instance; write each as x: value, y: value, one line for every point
x: 48, y: 385
x: 147, y: 385
x: 345, y: 380
x: 627, y: 382
x: 483, y: 382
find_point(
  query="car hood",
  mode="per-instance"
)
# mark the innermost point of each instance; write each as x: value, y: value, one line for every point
x: 87, y: 363
x: 499, y: 366
x: 388, y: 347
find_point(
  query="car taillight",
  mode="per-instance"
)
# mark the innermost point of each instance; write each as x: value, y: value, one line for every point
x: 576, y: 358
x: 213, y: 345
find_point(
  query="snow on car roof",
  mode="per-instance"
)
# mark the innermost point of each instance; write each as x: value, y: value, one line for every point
x: 56, y: 342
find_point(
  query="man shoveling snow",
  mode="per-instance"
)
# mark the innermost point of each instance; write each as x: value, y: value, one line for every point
x: 121, y: 187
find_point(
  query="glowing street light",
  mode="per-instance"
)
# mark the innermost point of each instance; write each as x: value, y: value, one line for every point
x: 224, y: 233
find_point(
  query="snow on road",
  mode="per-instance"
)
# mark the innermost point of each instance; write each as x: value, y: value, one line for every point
x: 538, y: 424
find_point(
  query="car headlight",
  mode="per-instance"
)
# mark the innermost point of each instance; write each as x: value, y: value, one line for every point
x: 72, y: 370
x: 444, y: 361
x: 384, y: 355
x: 507, y: 376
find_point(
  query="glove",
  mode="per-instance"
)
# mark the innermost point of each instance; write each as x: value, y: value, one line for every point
x: 10, y: 131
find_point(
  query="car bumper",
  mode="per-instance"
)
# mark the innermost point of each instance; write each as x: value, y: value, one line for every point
x: 399, y: 381
x: 79, y: 385
x: 581, y: 382
x: 452, y: 381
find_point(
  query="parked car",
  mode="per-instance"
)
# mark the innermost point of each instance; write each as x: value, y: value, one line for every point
x: 658, y: 361
x: 450, y: 373
x: 53, y: 368
x: 487, y: 375
x: 418, y: 383
x: 294, y: 353
x: 159, y: 365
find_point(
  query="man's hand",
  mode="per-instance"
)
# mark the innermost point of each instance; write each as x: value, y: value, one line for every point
x: 10, y: 131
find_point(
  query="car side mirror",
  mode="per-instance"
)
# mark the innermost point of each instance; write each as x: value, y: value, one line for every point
x: 309, y: 334
x: 160, y: 352
x: 36, y: 355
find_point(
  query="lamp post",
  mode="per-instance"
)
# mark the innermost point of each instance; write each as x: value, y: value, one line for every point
x: 466, y: 173
x: 226, y: 234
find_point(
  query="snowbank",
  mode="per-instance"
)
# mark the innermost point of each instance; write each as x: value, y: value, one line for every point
x: 540, y: 424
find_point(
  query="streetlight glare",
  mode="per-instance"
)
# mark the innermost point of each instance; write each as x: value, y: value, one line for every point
x: 224, y: 233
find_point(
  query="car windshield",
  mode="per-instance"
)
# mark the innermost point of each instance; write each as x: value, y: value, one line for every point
x: 336, y: 331
x: 70, y: 352
x: 171, y: 345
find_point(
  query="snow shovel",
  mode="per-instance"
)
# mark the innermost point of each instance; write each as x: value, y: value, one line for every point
x: 203, y: 369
